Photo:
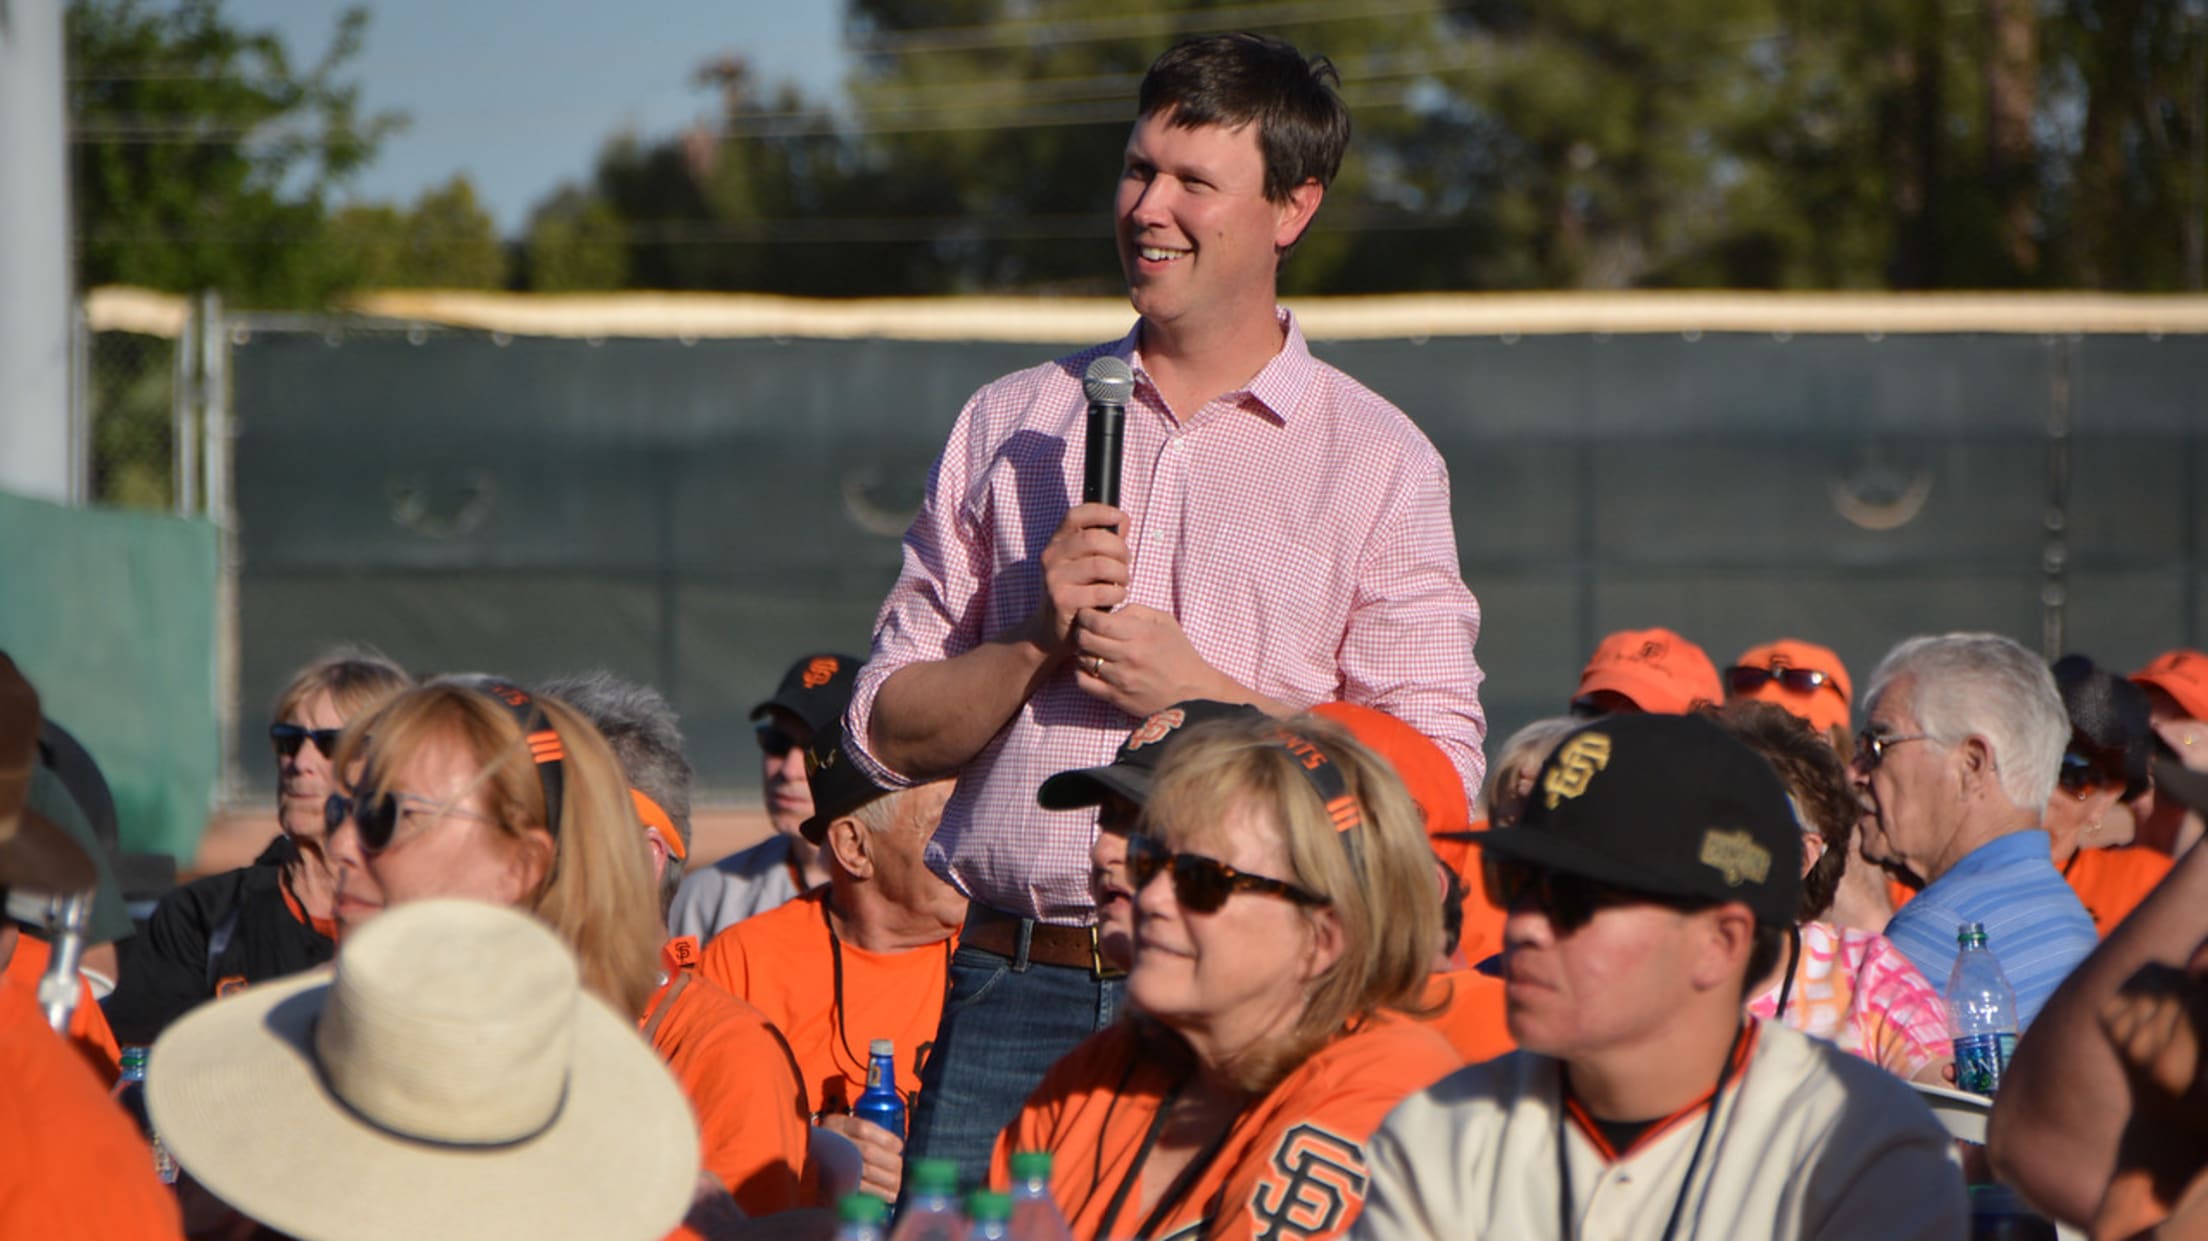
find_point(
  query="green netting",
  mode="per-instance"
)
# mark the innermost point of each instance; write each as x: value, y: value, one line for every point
x: 111, y: 615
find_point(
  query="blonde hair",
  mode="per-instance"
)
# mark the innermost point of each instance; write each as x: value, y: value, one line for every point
x: 356, y: 678
x: 1378, y: 877
x: 598, y: 893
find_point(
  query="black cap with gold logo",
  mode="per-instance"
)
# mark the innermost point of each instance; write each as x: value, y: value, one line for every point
x: 1668, y: 805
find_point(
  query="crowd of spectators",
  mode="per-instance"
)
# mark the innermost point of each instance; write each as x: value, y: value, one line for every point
x: 1163, y: 837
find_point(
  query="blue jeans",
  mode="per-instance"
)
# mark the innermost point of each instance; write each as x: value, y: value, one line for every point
x: 1005, y: 1022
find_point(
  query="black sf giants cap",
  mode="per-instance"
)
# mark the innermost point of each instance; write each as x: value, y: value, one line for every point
x: 816, y: 689
x: 1668, y: 805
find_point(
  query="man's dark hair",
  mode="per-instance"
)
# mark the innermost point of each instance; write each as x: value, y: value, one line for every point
x: 1230, y: 80
x: 1452, y: 911
x: 1763, y: 956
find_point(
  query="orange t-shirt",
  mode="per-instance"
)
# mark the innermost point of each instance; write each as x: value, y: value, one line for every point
x: 71, y: 1163
x: 742, y: 1086
x: 1472, y: 1014
x: 88, y: 1031
x: 784, y: 963
x: 1293, y: 1163
x: 2112, y: 882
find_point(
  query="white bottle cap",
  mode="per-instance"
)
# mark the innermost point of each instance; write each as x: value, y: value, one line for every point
x: 881, y: 1047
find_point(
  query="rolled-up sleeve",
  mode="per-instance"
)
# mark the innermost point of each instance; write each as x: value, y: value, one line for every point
x: 935, y: 609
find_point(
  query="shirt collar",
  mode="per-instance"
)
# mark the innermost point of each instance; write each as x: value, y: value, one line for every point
x: 1278, y: 387
x: 2009, y: 847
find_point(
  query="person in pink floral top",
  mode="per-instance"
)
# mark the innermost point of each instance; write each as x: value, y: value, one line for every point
x: 1851, y: 987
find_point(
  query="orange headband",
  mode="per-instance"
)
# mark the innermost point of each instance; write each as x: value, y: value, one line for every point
x: 654, y: 817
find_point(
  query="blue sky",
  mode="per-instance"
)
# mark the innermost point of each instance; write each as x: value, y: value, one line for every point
x: 519, y: 94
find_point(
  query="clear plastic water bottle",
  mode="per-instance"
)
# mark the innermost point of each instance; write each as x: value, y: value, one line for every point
x: 880, y: 1102
x: 1981, y: 1013
x: 861, y: 1217
x: 930, y: 1212
x: 130, y: 1092
x: 990, y: 1214
x: 1035, y: 1214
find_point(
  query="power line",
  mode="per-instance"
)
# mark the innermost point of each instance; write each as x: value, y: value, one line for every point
x: 1058, y: 32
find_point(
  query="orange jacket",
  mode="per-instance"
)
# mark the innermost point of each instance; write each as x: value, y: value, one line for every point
x: 742, y: 1086
x: 1292, y: 1164
x: 88, y: 1031
x: 2112, y: 882
x: 1471, y: 1017
x: 72, y: 1165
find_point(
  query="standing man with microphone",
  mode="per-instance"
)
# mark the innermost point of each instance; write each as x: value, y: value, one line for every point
x: 1282, y: 539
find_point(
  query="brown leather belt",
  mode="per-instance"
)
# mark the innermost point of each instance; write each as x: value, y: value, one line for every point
x: 1073, y: 947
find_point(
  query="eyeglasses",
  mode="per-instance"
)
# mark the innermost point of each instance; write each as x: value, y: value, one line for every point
x: 1873, y: 746
x: 1568, y: 901
x: 289, y: 737
x: 773, y: 742
x: 1746, y: 679
x: 377, y: 818
x: 1201, y: 884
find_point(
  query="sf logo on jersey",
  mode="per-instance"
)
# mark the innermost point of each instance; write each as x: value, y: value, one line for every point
x: 1320, y: 1178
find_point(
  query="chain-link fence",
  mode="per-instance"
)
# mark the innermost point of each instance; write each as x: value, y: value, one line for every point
x: 130, y: 407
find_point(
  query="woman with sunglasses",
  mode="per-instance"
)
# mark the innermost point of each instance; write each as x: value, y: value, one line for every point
x: 1285, y: 921
x: 474, y: 788
x: 273, y: 918
x: 2103, y: 790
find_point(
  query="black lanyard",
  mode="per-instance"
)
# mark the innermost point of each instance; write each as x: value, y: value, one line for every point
x: 843, y: 1030
x: 1181, y: 1184
x: 1678, y: 1204
x: 1793, y: 959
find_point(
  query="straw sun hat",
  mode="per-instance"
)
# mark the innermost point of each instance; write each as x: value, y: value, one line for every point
x: 450, y: 1079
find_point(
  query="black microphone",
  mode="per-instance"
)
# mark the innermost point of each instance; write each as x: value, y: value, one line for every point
x: 1108, y: 383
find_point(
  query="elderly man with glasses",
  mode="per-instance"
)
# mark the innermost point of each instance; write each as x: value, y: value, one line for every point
x: 1962, y: 744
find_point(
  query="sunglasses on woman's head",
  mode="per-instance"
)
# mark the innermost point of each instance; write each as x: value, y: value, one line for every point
x: 289, y: 737
x: 2079, y: 773
x: 1201, y: 884
x: 1568, y: 901
x: 1747, y: 679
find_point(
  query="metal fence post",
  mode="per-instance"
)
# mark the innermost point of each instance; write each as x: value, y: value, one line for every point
x: 80, y: 406
x: 2054, y: 560
x: 184, y: 398
x: 217, y: 434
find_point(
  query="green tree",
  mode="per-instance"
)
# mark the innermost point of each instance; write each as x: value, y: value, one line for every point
x: 202, y: 158
x: 576, y: 244
x: 445, y: 241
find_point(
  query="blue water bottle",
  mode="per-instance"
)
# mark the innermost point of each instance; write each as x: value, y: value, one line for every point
x: 880, y: 1102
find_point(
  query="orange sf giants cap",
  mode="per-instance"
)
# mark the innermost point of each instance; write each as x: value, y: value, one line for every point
x: 1805, y: 678
x: 1427, y: 773
x: 1659, y: 671
x: 2183, y: 675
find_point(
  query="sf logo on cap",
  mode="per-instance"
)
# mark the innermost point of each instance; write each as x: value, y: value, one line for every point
x: 1157, y: 728
x: 1576, y: 764
x: 1735, y: 855
x: 820, y: 671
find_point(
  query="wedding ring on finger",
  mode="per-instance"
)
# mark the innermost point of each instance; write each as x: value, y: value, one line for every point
x: 1096, y: 666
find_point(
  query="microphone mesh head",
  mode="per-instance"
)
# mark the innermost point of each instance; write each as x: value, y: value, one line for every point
x: 1109, y: 381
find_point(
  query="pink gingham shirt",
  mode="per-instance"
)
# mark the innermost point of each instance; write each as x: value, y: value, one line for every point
x: 1298, y: 529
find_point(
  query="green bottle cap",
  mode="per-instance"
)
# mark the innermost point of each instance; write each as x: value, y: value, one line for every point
x: 1971, y: 934
x: 1031, y: 1166
x: 938, y: 1176
x: 861, y: 1209
x: 989, y: 1206
x: 134, y: 1057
